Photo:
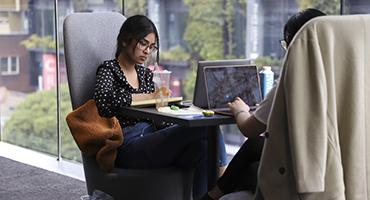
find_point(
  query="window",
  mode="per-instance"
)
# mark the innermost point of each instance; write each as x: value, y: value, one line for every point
x: 9, y: 65
x: 10, y: 5
x: 36, y: 17
x: 357, y: 7
x: 13, y: 22
x: 4, y: 22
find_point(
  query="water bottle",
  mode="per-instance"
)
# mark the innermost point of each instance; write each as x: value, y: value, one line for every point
x: 267, y: 80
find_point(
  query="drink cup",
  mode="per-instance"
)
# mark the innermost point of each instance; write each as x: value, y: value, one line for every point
x: 161, y: 81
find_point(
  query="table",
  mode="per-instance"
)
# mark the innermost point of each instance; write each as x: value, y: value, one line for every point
x: 189, y: 121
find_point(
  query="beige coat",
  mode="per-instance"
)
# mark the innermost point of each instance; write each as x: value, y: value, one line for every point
x: 318, y: 131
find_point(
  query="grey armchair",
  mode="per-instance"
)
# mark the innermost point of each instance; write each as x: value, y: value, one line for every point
x: 89, y: 39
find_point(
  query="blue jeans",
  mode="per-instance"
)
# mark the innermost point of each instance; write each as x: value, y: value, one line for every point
x: 183, y: 147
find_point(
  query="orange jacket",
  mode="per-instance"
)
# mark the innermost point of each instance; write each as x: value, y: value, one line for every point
x: 96, y: 135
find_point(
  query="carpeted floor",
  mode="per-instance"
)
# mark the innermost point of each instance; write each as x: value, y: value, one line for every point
x: 20, y: 181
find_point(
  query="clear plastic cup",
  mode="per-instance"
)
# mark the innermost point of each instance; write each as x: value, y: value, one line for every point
x: 161, y: 80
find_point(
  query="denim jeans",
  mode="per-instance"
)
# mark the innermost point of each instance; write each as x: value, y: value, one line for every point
x: 183, y: 147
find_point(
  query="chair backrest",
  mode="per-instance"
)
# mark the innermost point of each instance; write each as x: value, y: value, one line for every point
x: 319, y: 128
x: 86, y: 48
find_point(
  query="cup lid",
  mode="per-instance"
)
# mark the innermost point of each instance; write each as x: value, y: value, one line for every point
x: 162, y: 71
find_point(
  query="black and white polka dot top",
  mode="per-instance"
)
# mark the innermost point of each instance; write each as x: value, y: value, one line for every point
x: 113, y: 91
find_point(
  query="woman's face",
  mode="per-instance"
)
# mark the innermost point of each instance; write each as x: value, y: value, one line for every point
x: 142, y: 49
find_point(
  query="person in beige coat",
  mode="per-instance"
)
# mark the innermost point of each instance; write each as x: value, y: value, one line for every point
x: 241, y: 173
x: 318, y: 144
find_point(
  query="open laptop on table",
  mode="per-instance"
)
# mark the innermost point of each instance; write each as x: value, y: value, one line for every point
x: 224, y: 83
x: 200, y: 98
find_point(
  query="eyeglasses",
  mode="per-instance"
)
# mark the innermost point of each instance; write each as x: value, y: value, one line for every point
x: 283, y: 44
x: 145, y: 45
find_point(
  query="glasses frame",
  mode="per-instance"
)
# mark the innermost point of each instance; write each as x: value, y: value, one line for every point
x: 152, y: 48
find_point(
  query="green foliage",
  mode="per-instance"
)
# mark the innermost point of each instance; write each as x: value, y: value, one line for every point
x: 177, y: 53
x: 330, y: 7
x: 203, y: 32
x: 210, y: 32
x: 35, y: 42
x: 204, y: 36
x: 33, y: 124
x: 135, y: 7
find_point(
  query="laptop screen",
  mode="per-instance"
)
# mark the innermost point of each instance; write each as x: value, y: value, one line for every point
x: 199, y: 98
x: 224, y: 83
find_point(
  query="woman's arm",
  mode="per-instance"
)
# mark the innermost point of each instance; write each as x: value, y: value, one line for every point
x: 164, y: 92
x: 250, y: 126
x: 139, y: 97
x: 150, y: 92
x: 247, y: 123
x: 108, y: 99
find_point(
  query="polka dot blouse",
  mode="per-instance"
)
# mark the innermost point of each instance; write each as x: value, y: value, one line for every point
x: 113, y: 91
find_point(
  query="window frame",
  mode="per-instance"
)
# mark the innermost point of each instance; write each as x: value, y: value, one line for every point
x: 9, y: 66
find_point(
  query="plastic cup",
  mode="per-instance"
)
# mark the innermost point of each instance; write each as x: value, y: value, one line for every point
x: 161, y: 81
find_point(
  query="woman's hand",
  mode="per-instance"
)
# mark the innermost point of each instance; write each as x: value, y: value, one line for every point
x: 238, y: 106
x: 247, y: 123
x: 158, y: 93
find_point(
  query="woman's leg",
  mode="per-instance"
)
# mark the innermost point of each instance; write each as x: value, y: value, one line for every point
x: 248, y: 154
x: 159, y: 148
x: 200, y: 168
x: 222, y: 151
x: 172, y: 146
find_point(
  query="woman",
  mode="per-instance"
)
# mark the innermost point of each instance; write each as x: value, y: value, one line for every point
x: 241, y: 173
x: 123, y: 80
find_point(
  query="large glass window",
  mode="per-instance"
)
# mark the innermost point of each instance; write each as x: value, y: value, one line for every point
x: 356, y: 7
x: 193, y: 30
x: 28, y: 78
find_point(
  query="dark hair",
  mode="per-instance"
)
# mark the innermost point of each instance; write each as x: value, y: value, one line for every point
x: 135, y: 28
x: 296, y: 21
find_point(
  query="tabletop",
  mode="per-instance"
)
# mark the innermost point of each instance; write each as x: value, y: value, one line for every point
x: 183, y: 120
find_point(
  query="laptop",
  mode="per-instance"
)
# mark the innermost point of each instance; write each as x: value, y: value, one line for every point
x: 224, y: 83
x: 199, y: 97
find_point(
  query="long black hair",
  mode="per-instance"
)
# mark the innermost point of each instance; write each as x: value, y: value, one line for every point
x: 296, y: 21
x: 136, y: 28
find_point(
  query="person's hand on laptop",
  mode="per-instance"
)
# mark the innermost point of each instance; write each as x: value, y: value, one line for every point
x: 247, y: 123
x: 238, y: 106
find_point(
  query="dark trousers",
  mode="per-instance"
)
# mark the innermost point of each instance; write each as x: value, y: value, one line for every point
x: 241, y: 173
x: 183, y: 147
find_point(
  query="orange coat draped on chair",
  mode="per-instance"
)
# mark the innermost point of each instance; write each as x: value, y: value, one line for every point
x: 96, y: 135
